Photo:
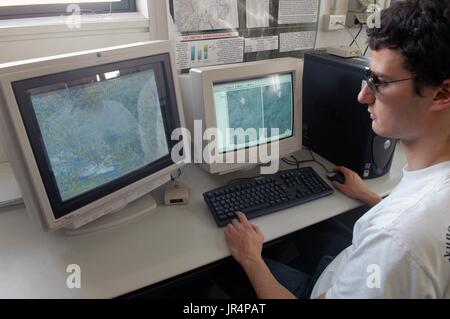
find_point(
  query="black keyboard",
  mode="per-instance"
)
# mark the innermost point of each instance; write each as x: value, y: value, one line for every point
x: 265, y: 194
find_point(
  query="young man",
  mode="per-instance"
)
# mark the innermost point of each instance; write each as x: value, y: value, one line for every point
x: 401, y: 247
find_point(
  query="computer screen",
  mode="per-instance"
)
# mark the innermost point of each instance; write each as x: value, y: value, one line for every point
x: 252, y: 106
x: 97, y: 130
x: 264, y: 102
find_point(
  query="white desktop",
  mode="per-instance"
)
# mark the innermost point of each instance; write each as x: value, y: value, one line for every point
x: 88, y: 133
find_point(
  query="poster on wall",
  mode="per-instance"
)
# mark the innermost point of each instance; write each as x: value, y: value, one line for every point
x: 297, y: 11
x: 295, y: 41
x: 259, y: 44
x: 204, y: 15
x: 248, y: 30
x: 191, y: 54
x: 258, y: 13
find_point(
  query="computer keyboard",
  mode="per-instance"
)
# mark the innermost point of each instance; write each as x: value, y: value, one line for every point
x: 265, y: 194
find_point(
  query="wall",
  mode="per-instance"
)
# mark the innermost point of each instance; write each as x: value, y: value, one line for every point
x: 33, y: 41
x: 341, y: 37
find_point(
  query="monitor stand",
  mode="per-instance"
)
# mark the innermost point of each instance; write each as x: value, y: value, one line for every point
x: 134, y: 210
x: 239, y: 168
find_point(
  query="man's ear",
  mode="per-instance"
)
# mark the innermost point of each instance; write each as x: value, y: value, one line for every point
x: 441, y: 100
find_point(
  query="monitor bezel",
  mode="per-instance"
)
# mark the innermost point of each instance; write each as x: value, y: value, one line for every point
x: 19, y: 151
x: 203, y: 102
x: 159, y: 63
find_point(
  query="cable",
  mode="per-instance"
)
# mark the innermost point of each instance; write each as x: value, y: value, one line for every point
x: 293, y: 161
x: 239, y: 180
x: 365, y: 51
x: 314, y: 159
x: 351, y: 34
x: 288, y: 162
x: 356, y: 37
x: 297, y: 162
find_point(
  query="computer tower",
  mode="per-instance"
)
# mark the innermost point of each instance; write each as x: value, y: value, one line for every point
x: 335, y: 125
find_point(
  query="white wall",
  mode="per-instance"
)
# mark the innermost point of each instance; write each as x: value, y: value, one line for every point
x: 341, y: 37
x: 28, y: 42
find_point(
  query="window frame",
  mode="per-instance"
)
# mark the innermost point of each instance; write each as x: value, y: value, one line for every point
x: 48, y: 10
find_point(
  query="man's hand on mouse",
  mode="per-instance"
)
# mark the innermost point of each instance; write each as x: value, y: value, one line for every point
x: 355, y: 188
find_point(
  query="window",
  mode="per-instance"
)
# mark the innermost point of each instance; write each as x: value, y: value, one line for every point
x: 13, y: 9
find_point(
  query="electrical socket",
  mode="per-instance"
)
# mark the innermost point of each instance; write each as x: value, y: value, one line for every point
x: 332, y: 22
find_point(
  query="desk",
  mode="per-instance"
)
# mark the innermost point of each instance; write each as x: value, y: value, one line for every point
x: 168, y: 242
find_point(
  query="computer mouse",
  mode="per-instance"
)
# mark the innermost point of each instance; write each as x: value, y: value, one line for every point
x: 336, y: 177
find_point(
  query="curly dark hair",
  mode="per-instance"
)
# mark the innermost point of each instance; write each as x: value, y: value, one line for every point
x: 420, y: 29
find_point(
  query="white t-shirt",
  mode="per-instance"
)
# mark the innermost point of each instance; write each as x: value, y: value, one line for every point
x: 401, y: 247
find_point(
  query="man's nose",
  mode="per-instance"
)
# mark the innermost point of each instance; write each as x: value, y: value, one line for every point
x: 366, y: 96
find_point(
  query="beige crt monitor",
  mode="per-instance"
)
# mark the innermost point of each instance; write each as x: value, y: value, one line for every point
x: 88, y: 134
x: 262, y: 94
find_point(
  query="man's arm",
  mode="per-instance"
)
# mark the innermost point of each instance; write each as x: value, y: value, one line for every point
x: 265, y: 284
x: 355, y: 188
x: 245, y: 241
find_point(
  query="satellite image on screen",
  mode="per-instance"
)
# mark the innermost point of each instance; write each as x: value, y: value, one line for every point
x: 98, y: 132
x: 258, y: 103
x: 244, y: 109
x: 278, y: 108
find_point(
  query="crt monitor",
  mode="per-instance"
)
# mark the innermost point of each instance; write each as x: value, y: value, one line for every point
x: 88, y: 133
x: 252, y: 97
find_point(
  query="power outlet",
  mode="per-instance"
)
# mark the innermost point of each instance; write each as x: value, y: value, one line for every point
x: 333, y: 22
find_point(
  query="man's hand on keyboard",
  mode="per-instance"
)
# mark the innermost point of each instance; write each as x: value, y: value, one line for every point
x: 355, y: 187
x: 245, y: 240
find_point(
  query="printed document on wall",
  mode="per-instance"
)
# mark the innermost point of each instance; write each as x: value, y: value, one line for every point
x: 298, y: 11
x: 209, y: 52
x: 296, y: 41
x: 258, y: 14
x: 261, y: 44
x: 203, y: 15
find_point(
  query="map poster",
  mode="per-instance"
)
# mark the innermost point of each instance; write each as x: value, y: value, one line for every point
x: 205, y: 15
x: 209, y: 52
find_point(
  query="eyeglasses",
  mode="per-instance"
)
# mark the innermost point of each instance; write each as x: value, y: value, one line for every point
x: 373, y: 82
